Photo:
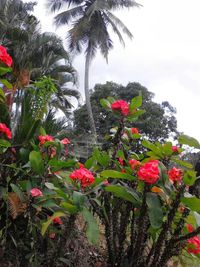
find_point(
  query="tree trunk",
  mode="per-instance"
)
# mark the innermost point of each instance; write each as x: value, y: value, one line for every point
x: 87, y: 98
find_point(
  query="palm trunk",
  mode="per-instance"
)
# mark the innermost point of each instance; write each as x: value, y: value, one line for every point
x: 87, y: 97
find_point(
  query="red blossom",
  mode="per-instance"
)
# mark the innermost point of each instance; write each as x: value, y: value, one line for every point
x: 83, y: 175
x: 134, y: 164
x: 194, y: 245
x: 5, y: 57
x: 134, y: 131
x: 5, y: 130
x: 65, y: 141
x: 189, y: 227
x: 121, y: 161
x: 122, y: 106
x: 45, y: 138
x: 35, y: 192
x: 175, y: 149
x: 149, y: 172
x: 57, y: 221
x: 52, y: 152
x: 175, y: 175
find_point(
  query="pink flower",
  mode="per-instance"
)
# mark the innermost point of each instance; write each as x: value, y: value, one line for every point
x: 134, y: 131
x: 35, y: 192
x: 149, y: 172
x: 83, y: 175
x: 5, y: 57
x: 57, y: 221
x: 175, y: 175
x: 45, y: 138
x: 5, y: 130
x: 121, y: 106
x: 65, y: 141
x: 106, y: 183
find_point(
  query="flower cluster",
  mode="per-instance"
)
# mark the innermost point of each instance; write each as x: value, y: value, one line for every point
x: 83, y: 175
x: 5, y: 57
x: 149, y: 172
x: 121, y: 106
x: 175, y: 175
x: 5, y: 130
x: 45, y: 138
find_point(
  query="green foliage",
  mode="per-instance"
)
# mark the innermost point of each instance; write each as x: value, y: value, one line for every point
x: 158, y: 123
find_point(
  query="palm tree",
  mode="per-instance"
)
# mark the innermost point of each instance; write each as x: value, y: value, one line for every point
x: 90, y: 20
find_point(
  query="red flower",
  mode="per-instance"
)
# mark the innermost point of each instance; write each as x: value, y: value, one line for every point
x: 83, y: 175
x: 134, y: 131
x: 5, y: 130
x: 35, y: 192
x: 65, y: 141
x: 175, y: 175
x: 149, y: 172
x: 189, y: 227
x: 5, y: 57
x: 121, y: 161
x: 57, y: 221
x: 122, y: 106
x: 194, y: 245
x: 45, y: 138
x: 175, y: 149
x: 134, y: 164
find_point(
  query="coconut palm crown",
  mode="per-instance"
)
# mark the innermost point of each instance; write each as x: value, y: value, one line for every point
x: 90, y: 20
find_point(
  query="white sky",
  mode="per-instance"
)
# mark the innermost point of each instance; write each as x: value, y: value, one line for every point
x: 164, y: 55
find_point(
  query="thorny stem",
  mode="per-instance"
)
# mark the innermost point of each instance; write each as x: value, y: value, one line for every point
x: 167, y: 254
x: 158, y: 246
x: 142, y: 223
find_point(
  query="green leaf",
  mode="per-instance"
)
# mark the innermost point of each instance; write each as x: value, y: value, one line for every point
x: 36, y: 162
x: 6, y: 83
x: 193, y: 203
x: 92, y: 231
x: 51, y: 186
x: 136, y: 102
x: 101, y: 157
x: 46, y: 224
x: 4, y: 70
x: 59, y: 164
x: 69, y: 207
x: 152, y: 147
x: 42, y: 131
x: 189, y: 177
x: 78, y: 198
x: 4, y: 143
x: 89, y: 163
x: 18, y: 191
x: 154, y: 210
x: 105, y: 104
x: 116, y: 174
x: 190, y: 141
x: 182, y: 163
x: 2, y: 96
x: 124, y: 193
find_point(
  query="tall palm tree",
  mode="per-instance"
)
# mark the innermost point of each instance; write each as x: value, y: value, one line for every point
x: 90, y: 20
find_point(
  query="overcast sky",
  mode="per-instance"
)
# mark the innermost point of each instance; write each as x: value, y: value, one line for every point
x: 164, y: 55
